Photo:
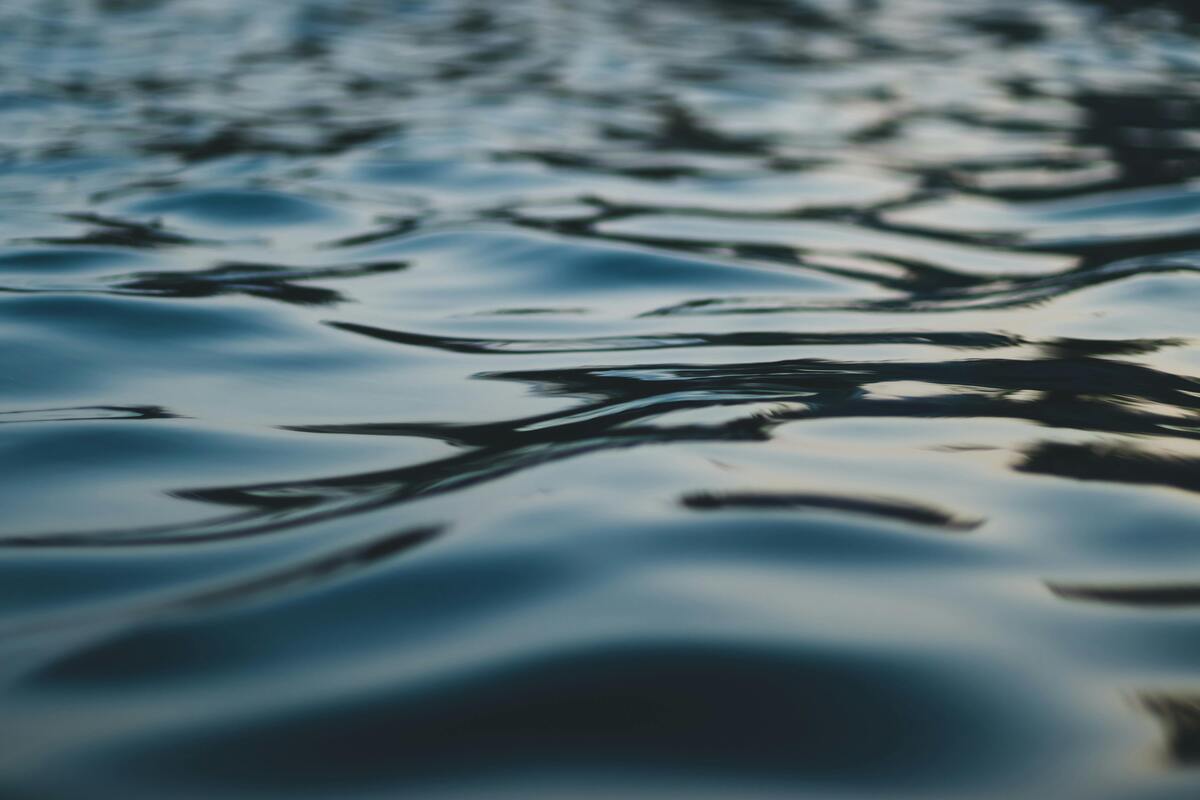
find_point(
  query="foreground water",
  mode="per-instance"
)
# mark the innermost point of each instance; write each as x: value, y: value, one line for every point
x: 590, y: 400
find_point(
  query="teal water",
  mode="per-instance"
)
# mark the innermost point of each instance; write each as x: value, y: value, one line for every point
x: 550, y: 399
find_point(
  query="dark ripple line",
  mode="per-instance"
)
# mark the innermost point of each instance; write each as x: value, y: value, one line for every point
x: 1179, y: 595
x: 1006, y: 293
x: 118, y: 232
x: 64, y: 414
x: 964, y: 340
x: 305, y: 574
x: 270, y: 281
x: 889, y: 508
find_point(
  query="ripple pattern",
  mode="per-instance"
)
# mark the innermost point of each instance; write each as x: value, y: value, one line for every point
x: 546, y: 399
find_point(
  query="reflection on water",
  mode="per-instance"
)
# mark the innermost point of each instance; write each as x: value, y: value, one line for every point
x: 788, y: 398
x: 1180, y: 718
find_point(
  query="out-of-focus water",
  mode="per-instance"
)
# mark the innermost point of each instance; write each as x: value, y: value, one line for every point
x: 557, y: 399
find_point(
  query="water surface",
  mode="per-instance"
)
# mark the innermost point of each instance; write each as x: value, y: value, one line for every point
x: 758, y: 399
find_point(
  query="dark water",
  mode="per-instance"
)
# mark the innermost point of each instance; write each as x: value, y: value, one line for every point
x: 555, y: 399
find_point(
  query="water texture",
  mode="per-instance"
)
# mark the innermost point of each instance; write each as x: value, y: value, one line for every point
x: 563, y: 399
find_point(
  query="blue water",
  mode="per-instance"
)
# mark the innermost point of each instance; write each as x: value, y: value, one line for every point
x: 552, y: 399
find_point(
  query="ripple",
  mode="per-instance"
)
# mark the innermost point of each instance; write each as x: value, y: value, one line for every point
x: 1082, y: 222
x: 773, y: 399
x: 594, y: 700
x: 805, y: 236
x: 236, y: 208
x: 900, y: 510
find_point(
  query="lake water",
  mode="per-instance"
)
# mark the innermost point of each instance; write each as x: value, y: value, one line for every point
x: 560, y: 399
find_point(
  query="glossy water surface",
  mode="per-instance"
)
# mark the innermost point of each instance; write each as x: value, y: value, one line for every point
x: 564, y: 399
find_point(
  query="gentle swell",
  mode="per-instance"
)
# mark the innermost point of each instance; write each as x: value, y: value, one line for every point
x: 761, y: 399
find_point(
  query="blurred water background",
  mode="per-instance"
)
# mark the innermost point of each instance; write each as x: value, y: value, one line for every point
x: 564, y: 399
